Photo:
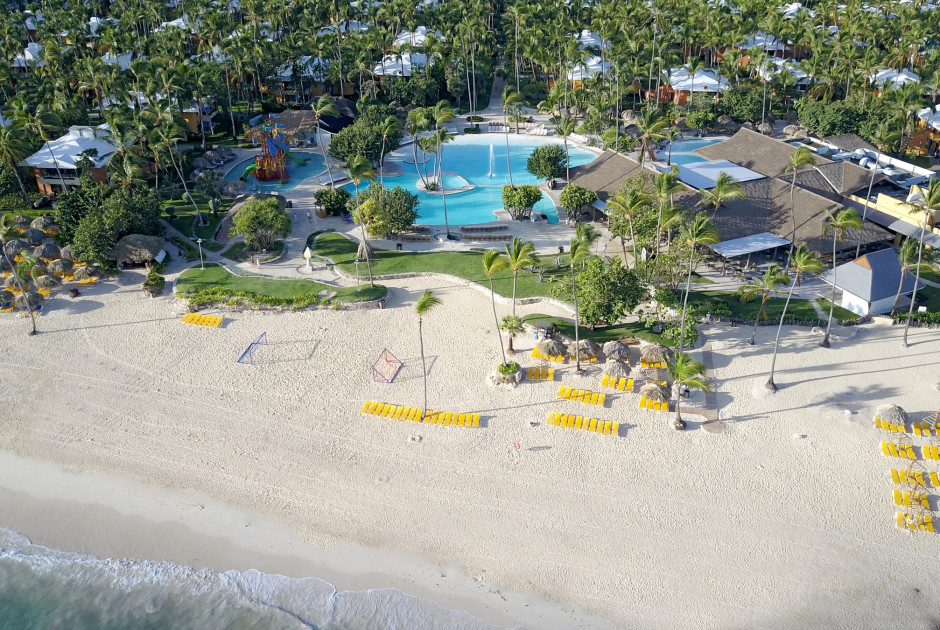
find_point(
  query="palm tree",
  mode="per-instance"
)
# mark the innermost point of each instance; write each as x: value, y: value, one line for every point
x: 359, y: 169
x: 907, y: 256
x: 685, y: 370
x: 442, y: 113
x: 513, y: 326
x: 510, y: 98
x: 765, y: 287
x: 26, y: 268
x: 624, y: 207
x: 672, y: 134
x: 493, y: 263
x: 325, y: 106
x: 837, y: 224
x: 800, y: 158
x: 665, y: 186
x: 39, y: 122
x: 417, y: 123
x: 423, y: 306
x: 565, y: 128
x: 580, y: 251
x: 8, y: 233
x: 652, y: 126
x: 519, y: 255
x: 883, y: 136
x: 726, y: 189
x: 14, y: 146
x: 388, y: 126
x: 803, y: 261
x: 931, y: 203
x: 701, y: 231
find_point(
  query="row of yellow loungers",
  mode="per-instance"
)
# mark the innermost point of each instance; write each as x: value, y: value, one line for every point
x: 920, y: 430
x: 904, y: 451
x: 592, y: 425
x: 652, y: 364
x: 584, y: 359
x: 538, y: 354
x: 653, y: 405
x: 210, y: 321
x: 541, y: 374
x: 581, y: 395
x: 914, y: 522
x: 914, y: 476
x: 907, y: 498
x: 413, y: 414
x: 623, y: 385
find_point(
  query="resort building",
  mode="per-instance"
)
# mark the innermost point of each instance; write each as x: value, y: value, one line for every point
x: 870, y: 283
x: 55, y: 165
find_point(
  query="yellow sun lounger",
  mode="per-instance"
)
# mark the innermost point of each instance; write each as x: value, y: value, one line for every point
x: 934, y: 479
x: 366, y: 406
x: 930, y: 452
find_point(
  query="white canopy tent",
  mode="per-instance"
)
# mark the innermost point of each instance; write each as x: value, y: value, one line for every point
x: 776, y: 65
x: 749, y: 244
x: 593, y: 66
x: 765, y: 42
x: 893, y: 78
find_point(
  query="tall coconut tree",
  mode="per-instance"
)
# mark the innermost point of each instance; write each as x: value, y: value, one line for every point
x: 442, y: 113
x: 511, y: 98
x: 358, y: 169
x: 493, y: 263
x: 512, y: 325
x: 565, y: 128
x: 764, y: 286
x: 14, y: 146
x: 907, y: 256
x: 802, y: 261
x: 800, y: 158
x: 652, y: 125
x: 325, y: 106
x: 837, y: 224
x: 671, y: 134
x: 624, y: 207
x: 884, y: 136
x: 684, y: 370
x: 726, y: 189
x: 8, y: 233
x: 389, y: 126
x: 519, y: 255
x: 701, y: 231
x: 579, y: 252
x: 931, y: 203
x: 423, y: 306
x: 665, y: 186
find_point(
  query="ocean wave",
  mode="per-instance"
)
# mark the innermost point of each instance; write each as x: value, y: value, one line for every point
x: 50, y: 588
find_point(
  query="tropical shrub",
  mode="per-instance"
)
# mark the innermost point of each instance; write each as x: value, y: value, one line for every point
x: 547, y: 162
x: 333, y: 200
x: 607, y: 291
x: 520, y: 200
x: 386, y: 210
x: 261, y: 221
x: 574, y: 197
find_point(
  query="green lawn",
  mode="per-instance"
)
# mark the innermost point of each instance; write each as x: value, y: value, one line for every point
x: 928, y: 273
x: 468, y: 265
x: 798, y: 309
x: 285, y: 292
x: 929, y: 297
x: 600, y: 334
x: 235, y: 252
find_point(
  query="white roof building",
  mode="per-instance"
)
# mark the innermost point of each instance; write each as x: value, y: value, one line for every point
x: 707, y: 81
x: 417, y: 39
x: 893, y: 78
x: 765, y: 42
x: 401, y: 65
x: 349, y: 26
x: 931, y: 117
x: 31, y: 57
x: 122, y: 61
x: 310, y: 67
x: 587, y: 39
x: 69, y: 147
x: 593, y: 66
x: 790, y: 10
x: 776, y: 65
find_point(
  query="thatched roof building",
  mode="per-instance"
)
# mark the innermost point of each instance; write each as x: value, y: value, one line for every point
x: 138, y: 248
x: 610, y: 170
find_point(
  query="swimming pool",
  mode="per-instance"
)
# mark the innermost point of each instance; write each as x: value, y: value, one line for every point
x: 481, y: 161
x: 297, y: 172
x: 682, y: 150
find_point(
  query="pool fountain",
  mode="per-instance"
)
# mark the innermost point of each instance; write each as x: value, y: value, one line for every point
x: 492, y: 171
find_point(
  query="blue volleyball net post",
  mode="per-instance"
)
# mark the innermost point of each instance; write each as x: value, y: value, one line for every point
x: 386, y: 367
x: 248, y: 356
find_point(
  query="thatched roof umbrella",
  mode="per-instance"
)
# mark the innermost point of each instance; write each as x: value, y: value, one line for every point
x: 47, y: 282
x: 21, y: 222
x: 552, y: 347
x: 67, y: 253
x: 655, y: 392
x: 629, y: 341
x: 42, y: 223
x: 616, y: 369
x: 5, y: 264
x: 11, y: 283
x: 49, y: 251
x: 891, y: 414
x: 83, y: 273
x: 34, y: 237
x: 137, y: 248
x: 61, y: 265
x: 616, y: 351
x: 6, y: 296
x: 587, y: 349
x: 654, y: 353
x: 200, y: 162
x: 12, y: 248
x: 29, y: 300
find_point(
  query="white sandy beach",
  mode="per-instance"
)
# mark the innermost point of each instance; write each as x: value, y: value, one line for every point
x: 651, y: 529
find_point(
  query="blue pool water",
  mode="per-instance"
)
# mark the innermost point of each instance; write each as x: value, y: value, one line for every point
x: 682, y: 150
x: 297, y: 172
x: 470, y: 157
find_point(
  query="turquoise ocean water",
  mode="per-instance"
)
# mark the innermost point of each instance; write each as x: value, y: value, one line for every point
x: 48, y: 589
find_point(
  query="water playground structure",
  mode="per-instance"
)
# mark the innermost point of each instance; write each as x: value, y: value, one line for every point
x: 271, y: 163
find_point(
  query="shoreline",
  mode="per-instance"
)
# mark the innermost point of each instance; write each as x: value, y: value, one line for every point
x: 118, y: 518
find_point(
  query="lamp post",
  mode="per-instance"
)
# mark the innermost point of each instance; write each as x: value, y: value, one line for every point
x: 199, y: 242
x: 357, y: 274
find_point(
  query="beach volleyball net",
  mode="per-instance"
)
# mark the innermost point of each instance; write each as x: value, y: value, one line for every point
x: 248, y: 356
x: 386, y: 367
